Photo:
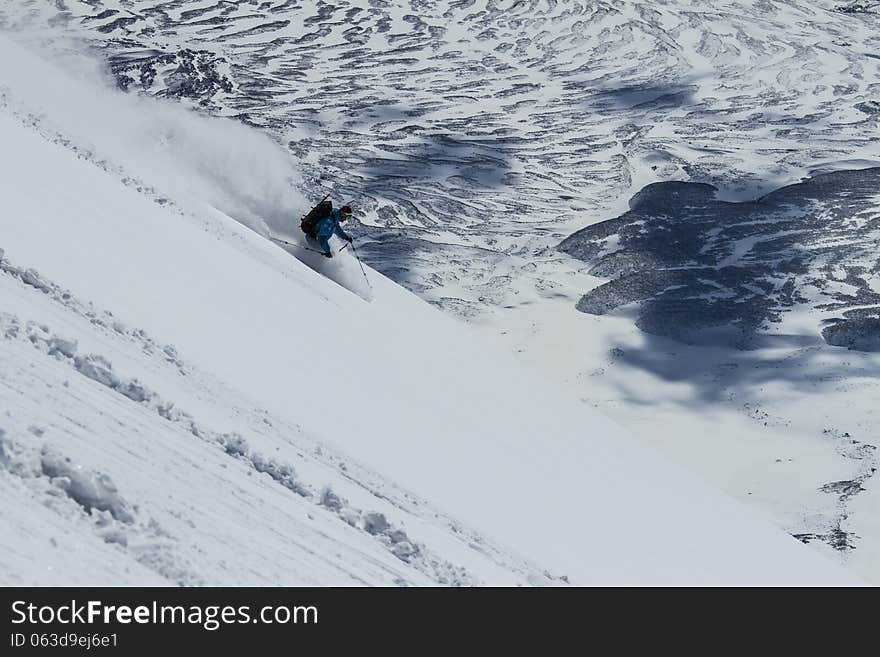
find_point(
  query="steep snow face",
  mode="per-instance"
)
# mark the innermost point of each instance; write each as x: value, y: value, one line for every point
x: 476, y: 136
x: 184, y: 402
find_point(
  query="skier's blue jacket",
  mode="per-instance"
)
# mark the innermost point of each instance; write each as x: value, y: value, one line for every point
x: 327, y: 226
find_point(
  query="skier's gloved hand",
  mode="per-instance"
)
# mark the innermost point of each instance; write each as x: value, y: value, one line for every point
x: 349, y: 238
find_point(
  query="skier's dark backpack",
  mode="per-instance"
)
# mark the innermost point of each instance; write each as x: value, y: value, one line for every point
x: 309, y: 224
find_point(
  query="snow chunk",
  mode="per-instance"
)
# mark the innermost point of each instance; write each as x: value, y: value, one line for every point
x: 330, y: 500
x: 134, y: 390
x: 283, y: 473
x: 62, y: 346
x: 91, y: 490
x: 234, y: 444
x: 375, y: 523
x: 32, y: 277
x: 98, y: 369
x: 404, y: 550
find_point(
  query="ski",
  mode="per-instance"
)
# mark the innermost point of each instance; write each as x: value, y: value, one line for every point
x: 298, y: 246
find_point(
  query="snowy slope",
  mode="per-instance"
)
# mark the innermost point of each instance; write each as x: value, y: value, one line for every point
x: 476, y: 136
x: 185, y: 402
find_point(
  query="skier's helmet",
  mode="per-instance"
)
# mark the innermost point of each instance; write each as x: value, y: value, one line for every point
x: 345, y: 211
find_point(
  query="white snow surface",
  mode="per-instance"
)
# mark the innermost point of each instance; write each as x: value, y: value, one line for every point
x: 475, y: 135
x: 183, y: 402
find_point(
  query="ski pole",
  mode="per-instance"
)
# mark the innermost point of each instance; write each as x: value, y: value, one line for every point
x: 364, y: 271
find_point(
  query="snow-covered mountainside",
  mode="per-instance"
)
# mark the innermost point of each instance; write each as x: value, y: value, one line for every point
x: 476, y: 137
x: 184, y: 402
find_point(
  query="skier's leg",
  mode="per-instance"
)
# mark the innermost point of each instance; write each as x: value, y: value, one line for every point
x: 324, y: 242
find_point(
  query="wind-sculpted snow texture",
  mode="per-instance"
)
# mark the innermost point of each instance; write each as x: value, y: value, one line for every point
x: 704, y: 268
x: 495, y: 129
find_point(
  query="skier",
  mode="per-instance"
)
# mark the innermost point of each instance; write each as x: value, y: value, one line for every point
x: 328, y: 226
